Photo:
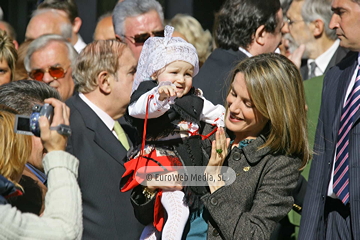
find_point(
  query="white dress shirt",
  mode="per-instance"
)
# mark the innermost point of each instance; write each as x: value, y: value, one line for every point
x: 80, y: 44
x: 323, y: 60
x: 244, y: 51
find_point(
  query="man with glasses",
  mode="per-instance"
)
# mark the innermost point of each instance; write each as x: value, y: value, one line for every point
x: 49, y: 59
x: 137, y: 20
x: 308, y: 24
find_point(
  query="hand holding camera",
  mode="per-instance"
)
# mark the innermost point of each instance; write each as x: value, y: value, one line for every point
x: 49, y: 121
x: 54, y: 134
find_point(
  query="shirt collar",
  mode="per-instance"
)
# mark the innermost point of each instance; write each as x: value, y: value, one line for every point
x: 108, y: 121
x: 80, y: 44
x: 244, y: 51
x: 323, y: 60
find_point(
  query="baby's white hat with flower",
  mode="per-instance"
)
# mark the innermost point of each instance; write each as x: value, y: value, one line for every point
x: 158, y: 52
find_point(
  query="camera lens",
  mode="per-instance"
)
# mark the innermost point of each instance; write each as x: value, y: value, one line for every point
x: 34, y: 123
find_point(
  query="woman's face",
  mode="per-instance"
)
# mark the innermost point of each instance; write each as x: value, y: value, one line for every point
x: 242, y: 117
x: 5, y: 73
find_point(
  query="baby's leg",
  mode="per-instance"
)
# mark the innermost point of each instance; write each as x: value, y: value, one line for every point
x: 178, y: 214
x: 150, y: 233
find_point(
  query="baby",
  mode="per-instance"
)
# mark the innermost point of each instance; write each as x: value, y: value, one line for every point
x: 166, y: 109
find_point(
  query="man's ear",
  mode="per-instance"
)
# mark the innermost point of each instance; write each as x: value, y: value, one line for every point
x: 104, y: 82
x: 260, y: 35
x: 318, y: 28
x: 76, y: 25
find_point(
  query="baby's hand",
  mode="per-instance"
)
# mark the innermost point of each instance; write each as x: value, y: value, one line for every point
x: 166, y: 91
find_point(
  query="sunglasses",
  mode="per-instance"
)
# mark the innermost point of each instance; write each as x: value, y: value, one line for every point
x: 141, y: 38
x: 55, y: 72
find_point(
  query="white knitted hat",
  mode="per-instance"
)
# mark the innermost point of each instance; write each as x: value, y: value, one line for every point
x: 158, y: 52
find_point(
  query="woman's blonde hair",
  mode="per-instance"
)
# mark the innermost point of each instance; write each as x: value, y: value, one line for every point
x: 194, y: 33
x: 8, y: 52
x: 15, y: 148
x: 276, y: 89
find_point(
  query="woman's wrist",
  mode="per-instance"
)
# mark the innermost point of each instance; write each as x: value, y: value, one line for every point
x: 214, y: 182
x: 214, y: 187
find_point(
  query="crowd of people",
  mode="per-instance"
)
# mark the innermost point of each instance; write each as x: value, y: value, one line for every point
x: 263, y: 109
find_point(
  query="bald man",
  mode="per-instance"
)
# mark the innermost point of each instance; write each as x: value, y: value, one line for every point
x: 104, y: 29
x: 48, y: 21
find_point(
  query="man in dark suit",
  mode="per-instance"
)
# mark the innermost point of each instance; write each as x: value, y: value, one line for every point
x: 332, y: 203
x: 308, y: 24
x: 104, y: 75
x: 236, y: 40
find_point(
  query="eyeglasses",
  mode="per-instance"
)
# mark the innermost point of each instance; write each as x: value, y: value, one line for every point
x: 55, y: 72
x: 141, y: 38
x: 291, y: 22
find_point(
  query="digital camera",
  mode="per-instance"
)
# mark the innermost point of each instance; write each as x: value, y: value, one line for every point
x: 30, y: 125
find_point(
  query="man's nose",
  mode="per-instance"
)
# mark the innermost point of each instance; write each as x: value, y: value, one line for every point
x: 285, y: 28
x: 334, y: 23
x: 47, y: 78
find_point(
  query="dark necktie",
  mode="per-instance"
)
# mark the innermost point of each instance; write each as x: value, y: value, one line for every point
x: 312, y: 70
x: 341, y: 170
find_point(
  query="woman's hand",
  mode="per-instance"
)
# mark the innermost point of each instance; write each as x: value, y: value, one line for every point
x: 219, y: 152
x: 51, y: 139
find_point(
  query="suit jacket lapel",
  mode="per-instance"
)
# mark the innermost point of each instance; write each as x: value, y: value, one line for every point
x: 107, y: 141
x: 103, y: 136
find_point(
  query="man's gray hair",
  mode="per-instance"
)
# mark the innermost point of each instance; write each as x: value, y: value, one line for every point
x: 65, y: 27
x: 45, y: 40
x: 319, y: 9
x: 133, y: 8
x: 22, y: 95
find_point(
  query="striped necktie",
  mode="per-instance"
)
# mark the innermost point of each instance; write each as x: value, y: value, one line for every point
x: 121, y: 135
x: 341, y: 170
